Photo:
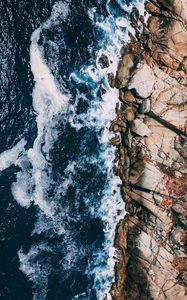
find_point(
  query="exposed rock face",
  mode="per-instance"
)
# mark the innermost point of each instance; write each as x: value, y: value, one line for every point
x: 152, y: 151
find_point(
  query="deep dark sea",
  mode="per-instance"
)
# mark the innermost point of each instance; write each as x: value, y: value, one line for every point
x: 59, y: 199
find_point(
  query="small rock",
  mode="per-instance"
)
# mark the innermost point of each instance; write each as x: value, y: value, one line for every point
x: 117, y: 108
x: 118, y: 125
x: 116, y: 170
x: 162, y: 154
x: 129, y: 114
x: 102, y: 90
x: 115, y: 141
x: 157, y: 198
x: 178, y: 235
x: 178, y: 174
x: 103, y: 61
x: 140, y: 128
x: 152, y: 8
x: 114, y: 127
x: 145, y: 107
x: 143, y: 81
x: 111, y: 80
x: 134, y: 17
x: 142, y: 19
x: 122, y: 123
x: 126, y: 96
x: 135, y: 14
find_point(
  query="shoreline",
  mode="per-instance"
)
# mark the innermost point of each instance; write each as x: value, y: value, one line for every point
x: 150, y: 137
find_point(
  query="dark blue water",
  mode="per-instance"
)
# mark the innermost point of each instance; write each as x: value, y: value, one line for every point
x: 59, y: 201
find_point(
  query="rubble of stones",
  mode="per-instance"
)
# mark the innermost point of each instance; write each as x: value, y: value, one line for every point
x: 150, y: 136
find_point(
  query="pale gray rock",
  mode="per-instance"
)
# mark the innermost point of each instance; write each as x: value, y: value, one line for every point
x: 140, y: 128
x: 143, y: 81
x: 146, y: 106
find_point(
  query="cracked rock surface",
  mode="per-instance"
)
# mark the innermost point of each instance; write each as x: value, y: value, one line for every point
x: 151, y: 142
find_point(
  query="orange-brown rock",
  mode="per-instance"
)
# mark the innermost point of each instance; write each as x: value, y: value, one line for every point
x: 127, y: 64
x: 126, y: 96
x: 115, y: 140
x: 129, y: 114
x: 152, y: 239
x: 111, y: 79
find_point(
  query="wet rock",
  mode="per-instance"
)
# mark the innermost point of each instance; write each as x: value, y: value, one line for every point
x: 126, y: 96
x: 111, y: 80
x: 134, y: 17
x: 129, y: 114
x: 143, y: 81
x: 152, y: 8
x: 114, y: 127
x: 118, y: 126
x: 140, y: 128
x: 116, y: 170
x: 103, y: 61
x: 102, y: 90
x: 122, y: 153
x: 115, y: 141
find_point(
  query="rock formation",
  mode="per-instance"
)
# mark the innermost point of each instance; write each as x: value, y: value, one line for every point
x: 150, y: 136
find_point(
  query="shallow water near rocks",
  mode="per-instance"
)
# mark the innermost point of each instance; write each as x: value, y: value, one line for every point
x: 60, y: 201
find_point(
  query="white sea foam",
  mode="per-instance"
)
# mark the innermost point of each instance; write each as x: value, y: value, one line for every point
x: 60, y: 10
x: 11, y: 156
x: 48, y: 101
x: 35, y: 270
x: 112, y: 207
x: 69, y: 171
x: 34, y: 178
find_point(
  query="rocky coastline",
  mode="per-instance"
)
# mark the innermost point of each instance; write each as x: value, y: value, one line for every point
x: 150, y: 136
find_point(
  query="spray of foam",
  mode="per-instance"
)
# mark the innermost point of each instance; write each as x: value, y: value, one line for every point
x: 31, y: 185
x: 9, y: 157
x: 35, y: 270
x: 116, y: 31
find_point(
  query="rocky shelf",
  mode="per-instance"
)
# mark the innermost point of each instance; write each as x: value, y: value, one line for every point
x: 150, y: 136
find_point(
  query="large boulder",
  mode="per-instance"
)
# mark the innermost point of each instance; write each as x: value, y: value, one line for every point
x: 143, y: 81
